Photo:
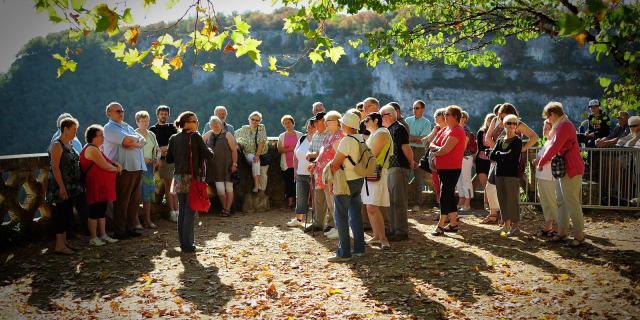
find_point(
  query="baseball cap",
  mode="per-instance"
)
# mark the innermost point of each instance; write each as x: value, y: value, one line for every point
x: 594, y: 103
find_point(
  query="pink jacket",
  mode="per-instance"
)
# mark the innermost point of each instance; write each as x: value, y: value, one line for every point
x: 565, y: 142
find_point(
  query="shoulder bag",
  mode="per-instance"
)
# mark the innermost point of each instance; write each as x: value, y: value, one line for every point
x: 198, y: 197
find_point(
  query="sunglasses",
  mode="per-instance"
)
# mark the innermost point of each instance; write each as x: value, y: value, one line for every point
x: 633, y: 126
x: 118, y: 111
x: 416, y: 108
x: 511, y: 123
x: 447, y: 114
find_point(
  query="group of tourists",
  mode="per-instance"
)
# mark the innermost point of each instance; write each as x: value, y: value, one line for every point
x: 322, y: 169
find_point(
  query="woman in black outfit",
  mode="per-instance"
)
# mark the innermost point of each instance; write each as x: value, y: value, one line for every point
x: 482, y: 161
x: 506, y: 154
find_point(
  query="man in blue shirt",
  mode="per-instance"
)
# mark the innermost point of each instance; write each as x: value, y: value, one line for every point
x: 419, y: 127
x: 123, y: 145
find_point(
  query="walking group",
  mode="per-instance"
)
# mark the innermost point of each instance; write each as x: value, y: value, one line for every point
x: 352, y: 169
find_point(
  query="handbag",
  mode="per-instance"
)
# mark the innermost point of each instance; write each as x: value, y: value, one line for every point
x: 428, y: 162
x: 198, y: 197
x: 378, y: 170
x: 492, y: 174
x: 558, y: 167
x: 265, y: 159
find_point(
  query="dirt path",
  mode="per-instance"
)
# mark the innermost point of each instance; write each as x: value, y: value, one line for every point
x: 253, y: 266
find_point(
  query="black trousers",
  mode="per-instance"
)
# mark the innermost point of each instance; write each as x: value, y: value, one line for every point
x: 448, y: 181
x: 289, y: 183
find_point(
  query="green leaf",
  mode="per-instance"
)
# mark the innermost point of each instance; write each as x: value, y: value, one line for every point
x: 254, y: 55
x: 149, y: 2
x: 172, y: 3
x: 246, y: 46
x: 208, y: 67
x: 237, y: 37
x: 127, y: 17
x: 53, y: 15
x: 75, y: 35
x: 218, y: 40
x: 355, y: 44
x: 118, y: 50
x: 334, y: 53
x: 315, y: 56
x: 162, y: 70
x: 596, y: 6
x: 71, y: 65
x: 272, y: 63
x: 131, y: 57
x: 283, y: 73
x: 242, y: 26
x: 77, y: 4
x: 570, y: 24
x: 165, y: 39
x: 60, y: 58
x: 604, y: 82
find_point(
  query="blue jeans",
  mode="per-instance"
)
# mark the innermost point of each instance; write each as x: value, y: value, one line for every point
x: 186, y: 218
x: 302, y: 194
x: 347, y: 212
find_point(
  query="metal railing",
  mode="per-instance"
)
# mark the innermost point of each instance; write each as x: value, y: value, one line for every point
x: 611, y: 179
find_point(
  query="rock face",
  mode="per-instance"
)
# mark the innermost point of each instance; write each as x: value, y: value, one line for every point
x: 532, y: 74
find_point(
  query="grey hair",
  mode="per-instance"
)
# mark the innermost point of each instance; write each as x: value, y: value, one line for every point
x: 111, y: 104
x: 255, y: 113
x: 214, y: 119
x: 62, y: 117
x: 390, y: 110
x: 141, y: 114
x: 216, y: 109
x: 316, y: 105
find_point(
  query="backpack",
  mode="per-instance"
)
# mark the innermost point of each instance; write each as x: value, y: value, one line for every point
x: 472, y: 147
x: 366, y: 165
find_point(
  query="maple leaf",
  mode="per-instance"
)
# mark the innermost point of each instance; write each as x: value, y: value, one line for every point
x: 272, y: 291
x: 176, y: 62
x: 132, y: 36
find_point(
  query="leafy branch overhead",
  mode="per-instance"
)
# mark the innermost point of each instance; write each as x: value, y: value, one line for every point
x: 461, y: 33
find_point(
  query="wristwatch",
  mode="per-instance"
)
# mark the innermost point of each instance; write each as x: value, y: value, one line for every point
x: 235, y: 164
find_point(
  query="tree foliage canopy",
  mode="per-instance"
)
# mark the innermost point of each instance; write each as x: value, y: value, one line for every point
x: 458, y: 32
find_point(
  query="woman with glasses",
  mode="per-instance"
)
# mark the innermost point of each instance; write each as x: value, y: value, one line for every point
x: 448, y: 149
x: 326, y: 154
x: 286, y: 144
x: 188, y: 152
x: 252, y: 139
x: 564, y: 143
x: 506, y: 154
x: 223, y: 164
x: 375, y: 194
x: 438, y: 129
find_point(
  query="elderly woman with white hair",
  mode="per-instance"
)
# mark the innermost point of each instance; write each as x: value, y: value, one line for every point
x: 151, y: 153
x: 223, y: 163
x: 564, y: 144
x: 506, y: 154
x: 252, y: 139
x: 633, y: 137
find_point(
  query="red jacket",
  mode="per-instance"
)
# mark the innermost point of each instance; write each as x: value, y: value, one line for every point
x: 565, y: 142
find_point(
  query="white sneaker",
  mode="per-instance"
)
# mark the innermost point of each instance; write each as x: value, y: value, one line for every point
x: 328, y: 231
x: 173, y: 216
x: 96, y: 242
x: 332, y: 234
x: 295, y: 223
x: 108, y: 239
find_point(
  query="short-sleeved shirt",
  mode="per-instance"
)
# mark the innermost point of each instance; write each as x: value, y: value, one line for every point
x: 151, y: 148
x: 317, y: 141
x: 246, y: 137
x: 418, y: 127
x: 348, y: 146
x: 301, y: 155
x: 453, y: 159
x: 114, y: 134
x: 619, y: 132
x: 400, y: 136
x: 163, y: 132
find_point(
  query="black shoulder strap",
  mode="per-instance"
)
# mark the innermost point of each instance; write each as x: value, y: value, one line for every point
x: 304, y: 136
x: 349, y: 156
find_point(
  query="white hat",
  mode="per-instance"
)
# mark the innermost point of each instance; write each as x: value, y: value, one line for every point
x: 594, y: 103
x: 634, y: 120
x: 351, y: 120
